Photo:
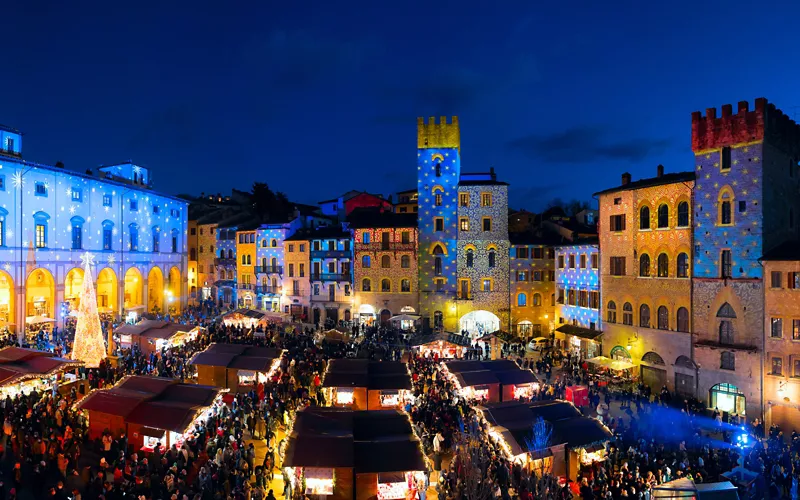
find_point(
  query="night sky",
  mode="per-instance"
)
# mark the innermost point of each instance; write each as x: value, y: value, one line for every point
x: 315, y: 98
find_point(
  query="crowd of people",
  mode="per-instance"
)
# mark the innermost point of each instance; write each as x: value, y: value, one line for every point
x: 46, y: 451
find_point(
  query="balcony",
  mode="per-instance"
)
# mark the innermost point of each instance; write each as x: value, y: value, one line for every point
x: 224, y: 262
x: 269, y: 270
x: 331, y: 254
x: 246, y: 286
x: 297, y: 293
x: 330, y: 277
x: 262, y: 290
x: 379, y: 246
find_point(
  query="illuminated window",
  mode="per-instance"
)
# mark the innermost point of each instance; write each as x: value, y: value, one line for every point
x: 437, y: 199
x: 463, y: 199
x: 405, y: 285
x: 776, y: 328
x: 486, y: 284
x: 366, y: 285
x: 537, y: 299
x: 486, y: 199
x: 522, y: 300
x: 777, y: 365
x: 683, y: 265
x: 464, y: 224
x: 522, y: 276
x: 365, y: 238
x: 366, y: 261
x: 663, y: 266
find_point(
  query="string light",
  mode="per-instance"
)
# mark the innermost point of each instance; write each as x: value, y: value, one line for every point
x: 89, y: 346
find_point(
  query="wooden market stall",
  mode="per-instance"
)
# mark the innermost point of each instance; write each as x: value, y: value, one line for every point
x: 237, y: 367
x: 496, y: 380
x: 250, y: 318
x: 152, y: 336
x: 360, y: 384
x: 26, y: 370
x: 345, y: 454
x: 150, y: 410
x: 442, y: 345
x: 570, y: 443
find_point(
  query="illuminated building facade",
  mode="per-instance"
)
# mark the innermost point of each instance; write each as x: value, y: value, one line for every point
x: 206, y: 260
x: 463, y: 236
x: 406, y: 202
x: 49, y: 216
x: 245, y: 268
x: 385, y: 265
x: 270, y: 266
x: 646, y: 242
x: 225, y: 263
x: 532, y: 281
x: 577, y: 280
x: 298, y: 281
x: 331, y: 259
x: 781, y: 367
x: 745, y: 204
x: 191, y: 245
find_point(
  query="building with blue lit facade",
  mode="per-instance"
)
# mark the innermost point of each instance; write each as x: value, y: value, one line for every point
x: 577, y: 308
x: 225, y: 263
x: 50, y: 216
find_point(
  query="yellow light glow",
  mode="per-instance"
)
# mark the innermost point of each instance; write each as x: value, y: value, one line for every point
x: 90, y: 344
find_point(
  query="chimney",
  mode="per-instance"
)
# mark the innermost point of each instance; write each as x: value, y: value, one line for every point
x: 626, y: 179
x: 660, y: 171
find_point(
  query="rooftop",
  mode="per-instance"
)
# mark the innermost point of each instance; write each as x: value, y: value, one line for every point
x: 367, y: 441
x: 237, y: 356
x: 153, y: 329
x: 786, y: 251
x: 651, y: 182
x: 370, y: 217
x: 160, y: 403
x: 374, y: 375
x: 18, y: 364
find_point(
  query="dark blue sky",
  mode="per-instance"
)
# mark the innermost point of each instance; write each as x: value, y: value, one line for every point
x: 315, y: 98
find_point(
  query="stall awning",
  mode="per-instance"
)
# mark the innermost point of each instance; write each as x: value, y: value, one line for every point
x: 579, y: 331
x: 612, y: 364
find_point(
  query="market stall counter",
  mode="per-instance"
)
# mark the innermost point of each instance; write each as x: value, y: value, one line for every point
x: 150, y: 410
x: 360, y: 384
x: 346, y: 454
x: 237, y: 367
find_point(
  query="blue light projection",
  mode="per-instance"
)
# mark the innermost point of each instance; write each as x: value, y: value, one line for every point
x: 578, y: 274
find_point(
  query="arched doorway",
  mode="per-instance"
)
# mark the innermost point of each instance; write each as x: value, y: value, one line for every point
x: 155, y: 290
x: 6, y: 300
x: 366, y: 314
x: 479, y: 323
x: 174, y: 290
x: 685, y: 370
x: 727, y: 398
x: 73, y: 286
x: 386, y: 315
x: 134, y: 286
x: 654, y: 371
x: 40, y: 296
x: 107, y: 291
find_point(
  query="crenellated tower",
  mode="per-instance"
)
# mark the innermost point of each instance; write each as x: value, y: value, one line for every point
x: 438, y: 172
x: 745, y: 204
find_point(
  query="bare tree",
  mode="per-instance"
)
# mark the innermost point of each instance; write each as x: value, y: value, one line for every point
x: 472, y: 464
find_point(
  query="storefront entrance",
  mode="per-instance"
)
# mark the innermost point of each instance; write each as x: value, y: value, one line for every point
x: 479, y: 323
x: 727, y: 398
x: 654, y: 372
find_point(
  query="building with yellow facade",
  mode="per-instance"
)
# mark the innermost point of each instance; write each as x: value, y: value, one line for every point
x: 246, y: 268
x: 646, y: 244
x: 297, y: 284
x: 532, y: 282
x: 385, y: 265
x: 206, y: 254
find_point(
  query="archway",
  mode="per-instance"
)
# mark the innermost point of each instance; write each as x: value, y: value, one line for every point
x: 40, y: 294
x: 479, y: 323
x: 155, y: 290
x: 134, y: 285
x: 107, y: 290
x: 386, y: 315
x: 654, y: 373
x: 6, y: 299
x: 727, y: 398
x: 73, y: 286
x: 619, y: 353
x: 685, y: 370
x: 174, y: 290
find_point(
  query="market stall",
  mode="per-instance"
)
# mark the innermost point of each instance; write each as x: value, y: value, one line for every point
x: 360, y: 384
x: 152, y: 411
x: 332, y: 335
x: 441, y: 345
x: 237, y: 367
x: 529, y: 433
x: 512, y: 381
x: 406, y: 321
x: 615, y: 373
x: 250, y: 318
x: 584, y: 342
x: 332, y: 451
x: 26, y: 370
x: 152, y: 336
x: 475, y: 385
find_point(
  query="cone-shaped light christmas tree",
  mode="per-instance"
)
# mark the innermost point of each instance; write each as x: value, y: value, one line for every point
x: 89, y: 345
